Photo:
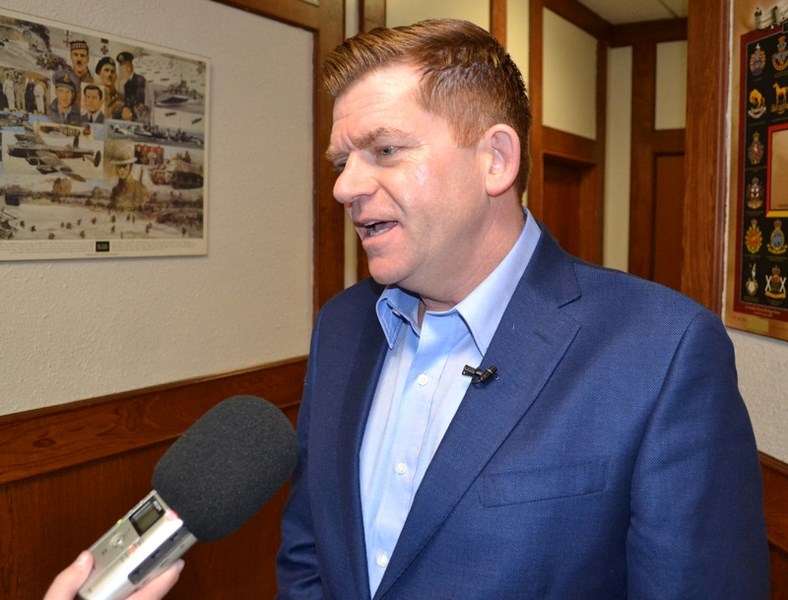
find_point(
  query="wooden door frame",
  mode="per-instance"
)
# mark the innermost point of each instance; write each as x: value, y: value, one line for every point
x: 705, y: 189
x: 547, y: 142
x: 647, y: 143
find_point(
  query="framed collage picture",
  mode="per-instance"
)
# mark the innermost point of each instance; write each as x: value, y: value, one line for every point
x: 103, y: 145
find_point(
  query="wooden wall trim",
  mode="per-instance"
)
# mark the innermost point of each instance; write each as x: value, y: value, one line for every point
x: 570, y: 147
x: 498, y: 20
x: 535, y: 93
x: 46, y: 440
x: 371, y: 14
x: 649, y: 32
x: 775, y: 500
x: 581, y: 16
x: 292, y: 12
x: 708, y: 28
x: 775, y: 487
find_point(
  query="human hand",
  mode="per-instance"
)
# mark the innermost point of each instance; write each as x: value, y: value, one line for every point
x: 67, y: 583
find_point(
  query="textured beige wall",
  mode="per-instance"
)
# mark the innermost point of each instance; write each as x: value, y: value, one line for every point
x: 569, y: 77
x: 405, y: 12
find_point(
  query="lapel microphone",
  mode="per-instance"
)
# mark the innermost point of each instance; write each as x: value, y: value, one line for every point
x: 478, y: 375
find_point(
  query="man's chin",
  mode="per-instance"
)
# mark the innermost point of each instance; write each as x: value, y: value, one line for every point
x: 382, y: 275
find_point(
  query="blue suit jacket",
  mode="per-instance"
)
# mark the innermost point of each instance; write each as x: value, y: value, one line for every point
x: 613, y: 456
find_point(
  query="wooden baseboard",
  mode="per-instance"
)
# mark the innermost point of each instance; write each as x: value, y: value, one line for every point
x: 68, y: 472
x: 775, y: 491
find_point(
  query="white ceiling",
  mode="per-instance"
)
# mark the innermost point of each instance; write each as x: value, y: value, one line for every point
x: 619, y: 12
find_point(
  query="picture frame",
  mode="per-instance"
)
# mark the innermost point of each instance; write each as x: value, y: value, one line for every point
x: 104, y: 149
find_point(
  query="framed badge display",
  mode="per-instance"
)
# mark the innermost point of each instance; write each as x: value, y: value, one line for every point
x: 758, y: 261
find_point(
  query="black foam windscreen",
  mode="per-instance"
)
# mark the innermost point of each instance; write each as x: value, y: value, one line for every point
x: 227, y: 465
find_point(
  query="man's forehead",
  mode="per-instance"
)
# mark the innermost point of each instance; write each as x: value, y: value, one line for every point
x: 376, y: 93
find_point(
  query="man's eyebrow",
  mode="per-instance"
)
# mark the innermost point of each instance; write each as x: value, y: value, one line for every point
x: 365, y: 141
x: 370, y: 138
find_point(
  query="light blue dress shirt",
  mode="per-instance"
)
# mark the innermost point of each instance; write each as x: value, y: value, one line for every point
x: 419, y: 391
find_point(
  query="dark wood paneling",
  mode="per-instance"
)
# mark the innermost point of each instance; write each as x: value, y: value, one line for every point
x: 775, y: 487
x: 708, y: 65
x: 572, y: 210
x: 568, y: 185
x: 668, y: 219
x: 649, y: 32
x: 641, y: 179
x: 535, y: 93
x: 498, y: 20
x: 569, y: 146
x: 69, y: 472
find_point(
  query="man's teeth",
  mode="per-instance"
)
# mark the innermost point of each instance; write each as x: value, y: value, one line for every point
x: 379, y: 227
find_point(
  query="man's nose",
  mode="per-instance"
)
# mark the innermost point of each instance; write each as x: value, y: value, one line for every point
x: 354, y: 182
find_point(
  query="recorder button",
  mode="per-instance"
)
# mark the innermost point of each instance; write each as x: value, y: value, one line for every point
x: 117, y: 541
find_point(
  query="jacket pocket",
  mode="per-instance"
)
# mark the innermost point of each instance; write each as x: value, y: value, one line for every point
x: 544, y: 483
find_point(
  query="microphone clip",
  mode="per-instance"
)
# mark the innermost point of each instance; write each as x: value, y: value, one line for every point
x: 478, y: 375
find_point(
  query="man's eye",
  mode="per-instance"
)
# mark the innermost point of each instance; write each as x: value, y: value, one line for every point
x: 386, y: 151
x: 339, y: 166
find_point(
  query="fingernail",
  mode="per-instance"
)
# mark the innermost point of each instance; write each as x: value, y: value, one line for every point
x: 83, y: 558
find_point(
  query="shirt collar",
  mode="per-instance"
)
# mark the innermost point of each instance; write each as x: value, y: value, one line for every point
x: 481, y: 310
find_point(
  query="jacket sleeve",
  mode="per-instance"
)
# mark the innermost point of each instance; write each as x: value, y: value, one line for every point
x: 697, y: 525
x: 297, y: 569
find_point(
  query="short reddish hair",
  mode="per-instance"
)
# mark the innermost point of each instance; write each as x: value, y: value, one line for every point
x: 467, y: 76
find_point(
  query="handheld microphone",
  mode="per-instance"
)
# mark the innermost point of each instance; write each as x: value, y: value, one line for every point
x: 214, y: 478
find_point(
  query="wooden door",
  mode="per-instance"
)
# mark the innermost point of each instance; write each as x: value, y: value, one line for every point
x: 570, y: 206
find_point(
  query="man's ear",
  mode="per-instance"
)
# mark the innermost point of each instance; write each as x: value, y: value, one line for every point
x: 503, y: 145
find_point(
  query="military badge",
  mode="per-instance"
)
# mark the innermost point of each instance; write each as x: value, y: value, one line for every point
x: 755, y: 150
x: 780, y: 58
x: 776, y: 243
x: 757, y: 61
x: 751, y: 285
x: 753, y: 239
x: 780, y: 98
x: 755, y: 193
x: 757, y: 104
x: 775, y: 285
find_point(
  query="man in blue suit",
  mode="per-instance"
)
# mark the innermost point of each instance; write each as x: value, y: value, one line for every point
x: 490, y: 417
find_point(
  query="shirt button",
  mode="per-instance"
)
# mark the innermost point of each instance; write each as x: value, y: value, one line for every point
x: 401, y: 468
x: 423, y: 379
x: 382, y: 560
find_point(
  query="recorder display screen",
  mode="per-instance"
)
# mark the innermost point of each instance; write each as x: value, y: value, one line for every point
x: 146, y: 515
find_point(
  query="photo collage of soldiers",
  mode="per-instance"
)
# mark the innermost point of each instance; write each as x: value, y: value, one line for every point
x: 763, y: 199
x: 101, y: 138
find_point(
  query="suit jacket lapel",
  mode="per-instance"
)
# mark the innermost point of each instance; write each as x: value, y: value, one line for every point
x: 361, y: 385
x: 530, y: 341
